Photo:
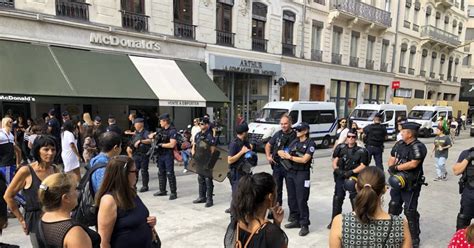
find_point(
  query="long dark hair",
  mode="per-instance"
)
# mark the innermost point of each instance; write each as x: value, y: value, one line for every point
x: 42, y: 141
x: 250, y: 195
x: 371, y: 185
x: 116, y: 183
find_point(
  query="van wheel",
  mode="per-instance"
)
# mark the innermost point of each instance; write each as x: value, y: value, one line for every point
x: 326, y: 142
x: 426, y: 133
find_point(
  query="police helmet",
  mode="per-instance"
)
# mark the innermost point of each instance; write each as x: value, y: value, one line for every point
x: 251, y: 158
x: 398, y: 181
x: 350, y: 184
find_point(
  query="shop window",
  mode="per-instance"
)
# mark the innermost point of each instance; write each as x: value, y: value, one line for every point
x: 344, y: 94
x: 374, y: 93
x: 405, y: 93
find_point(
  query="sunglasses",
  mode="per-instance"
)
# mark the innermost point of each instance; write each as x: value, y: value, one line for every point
x: 351, y: 136
x: 202, y: 124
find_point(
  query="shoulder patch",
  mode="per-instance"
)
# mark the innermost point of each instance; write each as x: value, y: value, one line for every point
x: 311, y: 149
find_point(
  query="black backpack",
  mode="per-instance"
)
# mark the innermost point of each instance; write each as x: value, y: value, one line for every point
x: 86, y: 211
x: 179, y: 141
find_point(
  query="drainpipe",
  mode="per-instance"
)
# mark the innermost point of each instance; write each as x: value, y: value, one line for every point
x: 396, y: 36
x: 303, y: 28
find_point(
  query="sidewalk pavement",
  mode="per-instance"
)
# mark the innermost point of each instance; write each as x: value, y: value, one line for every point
x: 183, y: 224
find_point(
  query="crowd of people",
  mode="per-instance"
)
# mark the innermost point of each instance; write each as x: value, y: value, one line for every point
x: 46, y: 186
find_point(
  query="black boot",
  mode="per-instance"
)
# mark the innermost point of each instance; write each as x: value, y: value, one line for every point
x: 209, y: 192
x: 145, y: 179
x: 172, y: 181
x: 336, y: 208
x: 202, y: 192
x: 162, y: 183
x: 413, y: 218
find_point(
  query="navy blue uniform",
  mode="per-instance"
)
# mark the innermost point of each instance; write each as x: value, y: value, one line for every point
x: 280, y: 140
x: 166, y: 162
x: 408, y: 197
x: 234, y: 147
x: 204, y: 141
x: 466, y: 213
x: 349, y: 158
x: 298, y: 180
x: 374, y: 137
x: 139, y: 155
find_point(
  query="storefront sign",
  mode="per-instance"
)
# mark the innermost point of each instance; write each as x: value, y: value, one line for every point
x: 182, y: 103
x: 243, y: 65
x: 395, y: 85
x: 17, y: 98
x: 115, y: 41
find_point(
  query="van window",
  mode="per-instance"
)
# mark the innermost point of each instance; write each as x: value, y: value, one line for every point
x: 327, y: 116
x: 388, y: 115
x: 400, y: 113
x: 318, y: 116
x: 271, y: 116
x: 310, y: 116
x: 443, y: 114
x: 294, y: 116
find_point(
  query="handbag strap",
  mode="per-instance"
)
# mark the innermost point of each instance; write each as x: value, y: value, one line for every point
x: 256, y: 231
x: 389, y: 231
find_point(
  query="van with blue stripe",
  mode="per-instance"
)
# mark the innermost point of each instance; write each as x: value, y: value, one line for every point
x: 428, y: 117
x: 364, y: 114
x: 321, y: 117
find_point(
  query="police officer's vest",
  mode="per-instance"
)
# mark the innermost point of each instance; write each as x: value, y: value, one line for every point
x: 165, y: 138
x: 468, y: 174
x: 282, y: 141
x: 352, y: 157
x: 241, y: 144
x: 142, y: 149
x: 376, y: 135
x: 203, y: 144
x: 402, y: 156
x: 299, y: 150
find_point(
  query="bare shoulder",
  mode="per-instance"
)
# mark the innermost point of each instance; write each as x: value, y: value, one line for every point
x: 77, y: 237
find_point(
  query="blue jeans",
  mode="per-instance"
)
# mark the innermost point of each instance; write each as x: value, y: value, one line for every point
x: 440, y: 166
x: 185, y: 154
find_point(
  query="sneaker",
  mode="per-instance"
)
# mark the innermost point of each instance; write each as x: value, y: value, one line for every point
x: 293, y: 225
x: 304, y: 231
x: 185, y: 171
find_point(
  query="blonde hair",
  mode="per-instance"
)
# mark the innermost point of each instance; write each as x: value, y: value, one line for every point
x: 5, y: 121
x: 87, y: 118
x: 53, y: 188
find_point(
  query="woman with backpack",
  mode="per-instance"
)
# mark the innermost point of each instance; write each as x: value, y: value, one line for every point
x: 58, y: 196
x: 255, y: 195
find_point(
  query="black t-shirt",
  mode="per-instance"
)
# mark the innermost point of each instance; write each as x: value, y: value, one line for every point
x: 375, y: 134
x: 7, y: 151
x: 464, y: 154
x: 114, y: 128
x: 55, y: 128
x: 3, y: 204
x: 270, y: 236
x: 406, y: 152
x: 350, y: 157
x: 235, y: 146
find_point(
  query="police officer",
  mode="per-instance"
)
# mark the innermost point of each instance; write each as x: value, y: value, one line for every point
x: 204, y: 144
x: 406, y: 170
x: 237, y: 149
x: 465, y: 166
x: 166, y: 142
x: 374, y: 136
x: 300, y: 154
x: 138, y: 148
x: 349, y: 160
x: 280, y: 140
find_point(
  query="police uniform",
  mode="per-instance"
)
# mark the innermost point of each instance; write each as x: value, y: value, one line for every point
x: 408, y: 195
x: 280, y: 141
x: 349, y: 158
x: 374, y: 138
x: 203, y: 142
x: 466, y: 183
x: 298, y: 181
x: 235, y: 147
x: 166, y: 161
x: 140, y: 156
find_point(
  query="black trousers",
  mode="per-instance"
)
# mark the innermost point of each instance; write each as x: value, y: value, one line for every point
x: 298, y: 186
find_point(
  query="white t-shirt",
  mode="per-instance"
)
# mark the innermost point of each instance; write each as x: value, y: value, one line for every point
x: 343, y: 136
x: 70, y: 159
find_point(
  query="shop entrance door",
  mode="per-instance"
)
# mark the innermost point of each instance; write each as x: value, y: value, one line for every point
x: 250, y: 95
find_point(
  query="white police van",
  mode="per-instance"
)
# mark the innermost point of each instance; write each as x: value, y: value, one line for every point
x: 321, y: 117
x: 364, y: 114
x: 427, y: 117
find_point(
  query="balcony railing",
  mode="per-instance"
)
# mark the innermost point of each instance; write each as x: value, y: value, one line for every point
x: 384, y: 67
x: 336, y: 58
x: 415, y: 27
x: 406, y: 24
x: 363, y: 10
x: 369, y: 64
x: 135, y: 21
x: 259, y: 44
x: 402, y: 69
x: 76, y: 10
x: 422, y: 73
x: 184, y: 31
x: 441, y: 76
x: 225, y: 38
x: 7, y: 3
x: 449, y: 78
x: 432, y: 75
x: 411, y: 71
x: 440, y: 35
x: 288, y: 49
x: 317, y: 55
x: 354, y: 61
x: 455, y: 79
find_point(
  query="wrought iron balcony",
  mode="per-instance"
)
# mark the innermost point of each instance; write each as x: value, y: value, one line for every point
x: 317, y: 55
x: 415, y: 27
x: 354, y: 61
x: 455, y: 79
x: 384, y: 67
x: 449, y: 78
x: 336, y: 58
x: 356, y: 8
x: 406, y: 24
x: 436, y: 35
x: 7, y: 3
x: 135, y: 21
x: 411, y: 71
x: 259, y: 44
x: 432, y: 75
x: 184, y: 31
x: 225, y: 38
x: 402, y: 69
x: 441, y: 76
x: 422, y: 73
x: 76, y: 10
x: 369, y: 64
x: 288, y: 49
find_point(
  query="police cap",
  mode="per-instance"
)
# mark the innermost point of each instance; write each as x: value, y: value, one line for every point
x: 352, y: 132
x: 302, y: 126
x: 51, y: 112
x: 97, y: 118
x: 242, y: 128
x: 164, y: 116
x: 65, y: 113
x: 204, y: 120
x: 138, y: 120
x: 411, y: 125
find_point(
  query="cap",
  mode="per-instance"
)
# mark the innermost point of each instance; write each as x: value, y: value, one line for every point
x: 164, y: 116
x: 111, y: 116
x: 65, y: 113
x: 204, y: 120
x: 411, y: 125
x: 242, y: 128
x: 378, y: 115
x: 138, y: 120
x: 51, y: 111
x: 97, y: 118
x: 302, y: 126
